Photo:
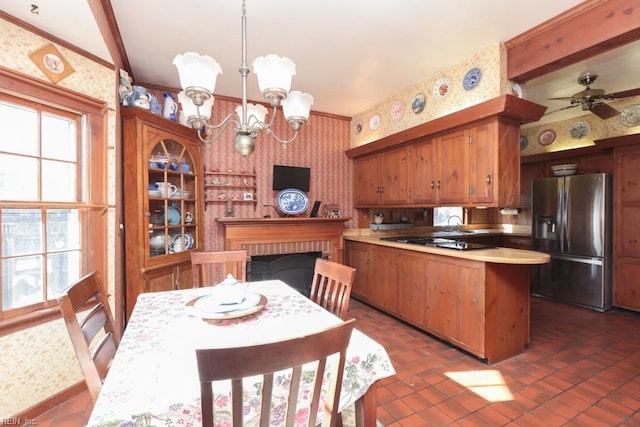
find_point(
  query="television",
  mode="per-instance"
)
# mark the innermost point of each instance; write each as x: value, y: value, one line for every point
x: 291, y: 177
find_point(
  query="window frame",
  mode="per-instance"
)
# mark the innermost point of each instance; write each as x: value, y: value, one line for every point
x: 23, y: 89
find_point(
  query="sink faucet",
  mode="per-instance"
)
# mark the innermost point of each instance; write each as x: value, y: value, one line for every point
x: 449, y: 226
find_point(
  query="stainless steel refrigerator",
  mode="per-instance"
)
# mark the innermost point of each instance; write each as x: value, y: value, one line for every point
x: 572, y: 222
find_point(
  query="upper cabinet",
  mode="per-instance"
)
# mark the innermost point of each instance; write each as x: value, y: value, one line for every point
x: 478, y: 165
x: 163, y: 204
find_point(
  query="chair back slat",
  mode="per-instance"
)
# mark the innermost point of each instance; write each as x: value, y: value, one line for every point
x: 331, y: 286
x: 210, y: 268
x: 264, y: 360
x: 95, y: 358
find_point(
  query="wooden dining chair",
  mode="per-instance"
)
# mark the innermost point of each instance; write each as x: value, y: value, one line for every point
x: 210, y: 268
x: 94, y: 336
x: 331, y: 286
x: 264, y: 360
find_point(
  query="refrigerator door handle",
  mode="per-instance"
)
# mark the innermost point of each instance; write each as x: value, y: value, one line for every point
x: 564, y: 233
x: 594, y: 261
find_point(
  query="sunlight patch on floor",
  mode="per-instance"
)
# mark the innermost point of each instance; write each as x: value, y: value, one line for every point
x: 487, y: 384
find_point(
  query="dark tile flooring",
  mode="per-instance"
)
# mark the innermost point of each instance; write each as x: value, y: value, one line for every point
x: 582, y: 368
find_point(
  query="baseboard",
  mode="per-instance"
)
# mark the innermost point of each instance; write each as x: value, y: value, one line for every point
x: 27, y: 416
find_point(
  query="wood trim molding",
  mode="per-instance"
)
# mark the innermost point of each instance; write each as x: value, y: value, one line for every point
x: 28, y: 416
x: 506, y: 106
x: 22, y: 24
x: 587, y: 30
x: 23, y: 85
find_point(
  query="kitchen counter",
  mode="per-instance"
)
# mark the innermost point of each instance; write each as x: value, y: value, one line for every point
x: 477, y: 300
x: 498, y: 255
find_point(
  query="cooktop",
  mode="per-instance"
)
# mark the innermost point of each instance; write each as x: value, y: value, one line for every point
x: 459, y: 245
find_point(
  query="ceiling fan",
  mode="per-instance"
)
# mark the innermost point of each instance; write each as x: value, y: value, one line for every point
x: 593, y: 99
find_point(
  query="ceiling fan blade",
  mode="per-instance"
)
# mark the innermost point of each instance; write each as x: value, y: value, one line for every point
x: 565, y: 98
x: 604, y: 111
x: 624, y: 94
x: 560, y: 109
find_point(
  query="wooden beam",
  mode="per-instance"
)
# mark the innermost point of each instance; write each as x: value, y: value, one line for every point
x: 587, y: 30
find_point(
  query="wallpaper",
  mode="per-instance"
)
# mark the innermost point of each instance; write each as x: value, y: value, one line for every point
x: 38, y: 362
x: 478, y: 78
x: 320, y: 146
x: 580, y: 131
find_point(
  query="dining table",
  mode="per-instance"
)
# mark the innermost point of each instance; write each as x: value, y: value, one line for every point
x: 153, y: 379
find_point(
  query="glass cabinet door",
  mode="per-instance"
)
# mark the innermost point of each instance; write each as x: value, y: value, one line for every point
x: 172, y: 199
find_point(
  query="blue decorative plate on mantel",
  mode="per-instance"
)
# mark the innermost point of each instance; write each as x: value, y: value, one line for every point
x: 292, y: 201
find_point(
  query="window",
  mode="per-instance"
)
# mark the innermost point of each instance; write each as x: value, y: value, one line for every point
x: 40, y: 178
x: 448, y: 216
x: 52, y: 212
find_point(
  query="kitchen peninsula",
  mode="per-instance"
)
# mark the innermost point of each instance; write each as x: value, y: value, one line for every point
x: 476, y: 300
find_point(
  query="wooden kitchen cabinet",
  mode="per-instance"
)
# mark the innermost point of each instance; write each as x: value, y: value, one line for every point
x: 471, y: 166
x: 529, y: 172
x: 455, y: 303
x: 161, y: 228
x: 452, y: 168
x: 412, y: 294
x: 383, y: 275
x: 626, y: 286
x: 358, y: 256
x: 382, y: 179
x: 366, y: 180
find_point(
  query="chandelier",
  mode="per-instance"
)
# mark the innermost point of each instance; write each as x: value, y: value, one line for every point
x: 198, y: 75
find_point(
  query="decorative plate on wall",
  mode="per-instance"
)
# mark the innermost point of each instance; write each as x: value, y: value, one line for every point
x: 579, y: 130
x: 523, y: 142
x: 397, y: 110
x: 374, y: 122
x: 418, y: 103
x: 358, y: 128
x: 546, y: 137
x: 441, y: 88
x: 472, y: 78
x: 630, y: 116
x: 516, y: 90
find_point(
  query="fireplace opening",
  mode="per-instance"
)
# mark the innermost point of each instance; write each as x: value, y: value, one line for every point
x: 296, y: 270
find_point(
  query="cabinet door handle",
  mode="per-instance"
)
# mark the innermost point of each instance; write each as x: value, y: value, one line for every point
x: 489, y: 179
x: 438, y: 184
x: 433, y: 184
x: 382, y: 189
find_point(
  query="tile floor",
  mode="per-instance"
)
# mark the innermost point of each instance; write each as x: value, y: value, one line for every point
x: 582, y: 368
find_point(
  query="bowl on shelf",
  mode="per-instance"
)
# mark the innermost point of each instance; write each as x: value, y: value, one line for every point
x: 565, y: 170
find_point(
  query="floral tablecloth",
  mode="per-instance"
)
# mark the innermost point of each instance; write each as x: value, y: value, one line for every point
x: 153, y: 380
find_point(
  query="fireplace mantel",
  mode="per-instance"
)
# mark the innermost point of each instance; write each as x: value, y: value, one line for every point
x: 269, y: 236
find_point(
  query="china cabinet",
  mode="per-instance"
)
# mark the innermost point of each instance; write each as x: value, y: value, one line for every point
x: 163, y: 206
x: 239, y: 187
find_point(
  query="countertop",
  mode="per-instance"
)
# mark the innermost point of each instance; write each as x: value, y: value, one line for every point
x: 494, y: 255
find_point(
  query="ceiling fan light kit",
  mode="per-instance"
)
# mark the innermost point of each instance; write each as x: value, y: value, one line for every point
x: 198, y: 74
x: 593, y: 99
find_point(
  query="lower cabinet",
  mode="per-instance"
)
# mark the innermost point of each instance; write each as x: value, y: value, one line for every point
x: 479, y: 307
x: 384, y: 278
x: 358, y: 256
x: 454, y: 305
x: 165, y: 278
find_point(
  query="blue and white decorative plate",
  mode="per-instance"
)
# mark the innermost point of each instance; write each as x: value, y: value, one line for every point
x: 579, y: 130
x: 523, y: 142
x: 292, y: 201
x: 173, y: 215
x: 418, y: 103
x: 472, y: 78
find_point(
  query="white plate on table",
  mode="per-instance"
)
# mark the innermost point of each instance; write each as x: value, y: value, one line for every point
x: 209, y: 307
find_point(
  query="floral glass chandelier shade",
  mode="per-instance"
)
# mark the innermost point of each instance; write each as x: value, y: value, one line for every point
x: 198, y: 74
